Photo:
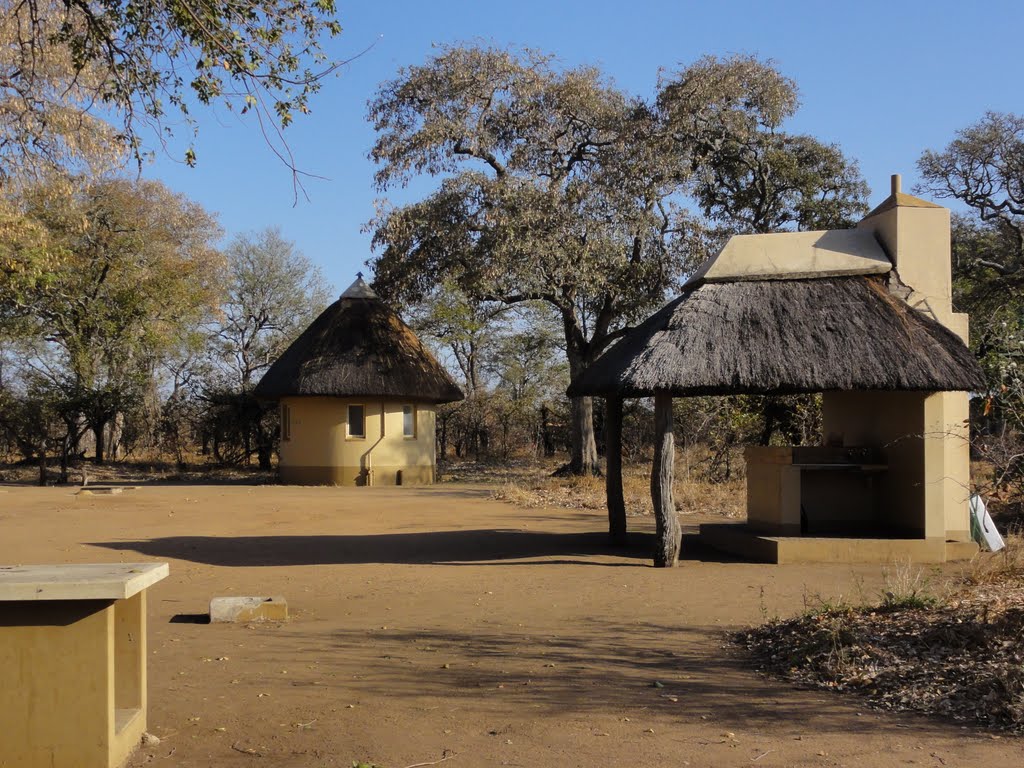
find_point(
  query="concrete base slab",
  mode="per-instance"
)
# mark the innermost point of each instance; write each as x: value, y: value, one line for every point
x: 738, y: 539
x: 246, y: 609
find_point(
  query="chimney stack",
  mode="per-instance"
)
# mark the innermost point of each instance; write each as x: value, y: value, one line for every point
x: 915, y: 235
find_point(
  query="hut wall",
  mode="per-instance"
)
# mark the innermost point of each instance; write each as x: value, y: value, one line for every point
x: 317, y: 450
x: 924, y: 492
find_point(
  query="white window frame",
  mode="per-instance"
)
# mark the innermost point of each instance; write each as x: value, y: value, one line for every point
x: 415, y: 421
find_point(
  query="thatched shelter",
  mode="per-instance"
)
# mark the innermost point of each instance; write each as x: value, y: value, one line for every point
x: 357, y: 391
x: 783, y: 337
x: 863, y: 316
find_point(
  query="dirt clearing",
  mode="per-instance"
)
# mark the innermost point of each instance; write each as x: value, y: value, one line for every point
x: 437, y: 622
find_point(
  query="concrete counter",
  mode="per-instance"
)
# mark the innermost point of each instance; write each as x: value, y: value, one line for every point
x: 73, y: 652
x: 92, y: 581
x: 794, y: 491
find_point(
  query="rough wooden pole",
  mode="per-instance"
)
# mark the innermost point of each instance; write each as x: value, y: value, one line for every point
x: 666, y: 549
x: 613, y: 478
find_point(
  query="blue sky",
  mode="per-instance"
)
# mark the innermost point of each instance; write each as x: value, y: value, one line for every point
x: 884, y: 80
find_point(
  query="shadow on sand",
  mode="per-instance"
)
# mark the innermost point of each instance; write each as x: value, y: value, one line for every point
x: 462, y: 547
x: 592, y: 667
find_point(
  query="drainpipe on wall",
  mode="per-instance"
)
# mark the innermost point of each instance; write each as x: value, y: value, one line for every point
x: 369, y: 460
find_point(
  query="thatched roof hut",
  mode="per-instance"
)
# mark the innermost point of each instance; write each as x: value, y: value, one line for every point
x: 357, y: 393
x: 359, y: 347
x: 783, y: 337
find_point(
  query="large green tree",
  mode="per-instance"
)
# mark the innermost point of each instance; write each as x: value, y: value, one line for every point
x: 775, y: 181
x: 748, y: 174
x: 537, y: 203
x: 131, y: 271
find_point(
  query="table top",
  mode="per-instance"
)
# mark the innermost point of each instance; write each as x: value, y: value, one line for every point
x: 90, y: 581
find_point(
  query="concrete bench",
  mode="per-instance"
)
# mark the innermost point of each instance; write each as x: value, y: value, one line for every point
x: 73, y: 660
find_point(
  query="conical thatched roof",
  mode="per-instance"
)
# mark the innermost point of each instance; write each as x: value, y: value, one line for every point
x: 358, y: 347
x: 783, y: 336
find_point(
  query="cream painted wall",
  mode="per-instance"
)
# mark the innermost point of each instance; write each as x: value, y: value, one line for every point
x: 917, y: 240
x: 318, y: 439
x: 948, y: 464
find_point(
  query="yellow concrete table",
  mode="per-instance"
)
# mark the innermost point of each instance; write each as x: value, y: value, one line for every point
x: 73, y: 663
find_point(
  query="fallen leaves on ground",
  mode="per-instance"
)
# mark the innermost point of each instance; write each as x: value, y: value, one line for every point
x: 963, y: 659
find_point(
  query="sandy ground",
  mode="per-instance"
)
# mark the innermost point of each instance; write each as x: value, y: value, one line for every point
x: 432, y: 623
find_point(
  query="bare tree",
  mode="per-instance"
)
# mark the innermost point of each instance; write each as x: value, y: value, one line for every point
x: 273, y: 292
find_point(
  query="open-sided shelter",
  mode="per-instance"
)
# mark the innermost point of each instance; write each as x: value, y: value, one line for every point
x: 357, y: 392
x: 863, y: 316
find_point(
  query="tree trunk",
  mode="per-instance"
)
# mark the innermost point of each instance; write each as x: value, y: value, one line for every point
x: 42, y: 468
x: 582, y: 445
x: 669, y: 534
x: 64, y: 463
x: 442, y: 441
x: 115, y: 431
x: 97, y: 431
x: 263, y: 454
x: 613, y: 472
x: 583, y: 457
x: 547, y: 440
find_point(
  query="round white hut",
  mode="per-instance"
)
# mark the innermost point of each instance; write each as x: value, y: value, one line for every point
x: 357, y: 392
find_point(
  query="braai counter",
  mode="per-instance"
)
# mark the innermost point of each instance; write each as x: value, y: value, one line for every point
x: 73, y: 660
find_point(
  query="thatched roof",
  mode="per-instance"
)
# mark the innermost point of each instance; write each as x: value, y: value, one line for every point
x: 359, y: 347
x: 783, y: 337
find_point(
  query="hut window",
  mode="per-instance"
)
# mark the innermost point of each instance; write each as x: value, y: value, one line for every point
x: 356, y: 421
x: 409, y: 420
x: 286, y: 422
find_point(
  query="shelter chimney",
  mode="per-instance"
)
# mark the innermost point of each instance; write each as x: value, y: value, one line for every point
x: 916, y: 236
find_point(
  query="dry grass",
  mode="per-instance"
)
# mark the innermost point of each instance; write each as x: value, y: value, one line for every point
x: 136, y: 471
x: 536, y: 487
x: 907, y: 586
x: 988, y: 569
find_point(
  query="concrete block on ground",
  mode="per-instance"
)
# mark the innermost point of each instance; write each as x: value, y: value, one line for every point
x: 107, y: 490
x: 246, y: 609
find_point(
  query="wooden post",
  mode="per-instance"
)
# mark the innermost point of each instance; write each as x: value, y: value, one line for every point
x: 666, y: 549
x: 613, y: 478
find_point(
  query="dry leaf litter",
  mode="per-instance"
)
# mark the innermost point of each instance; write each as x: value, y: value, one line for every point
x: 962, y: 659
